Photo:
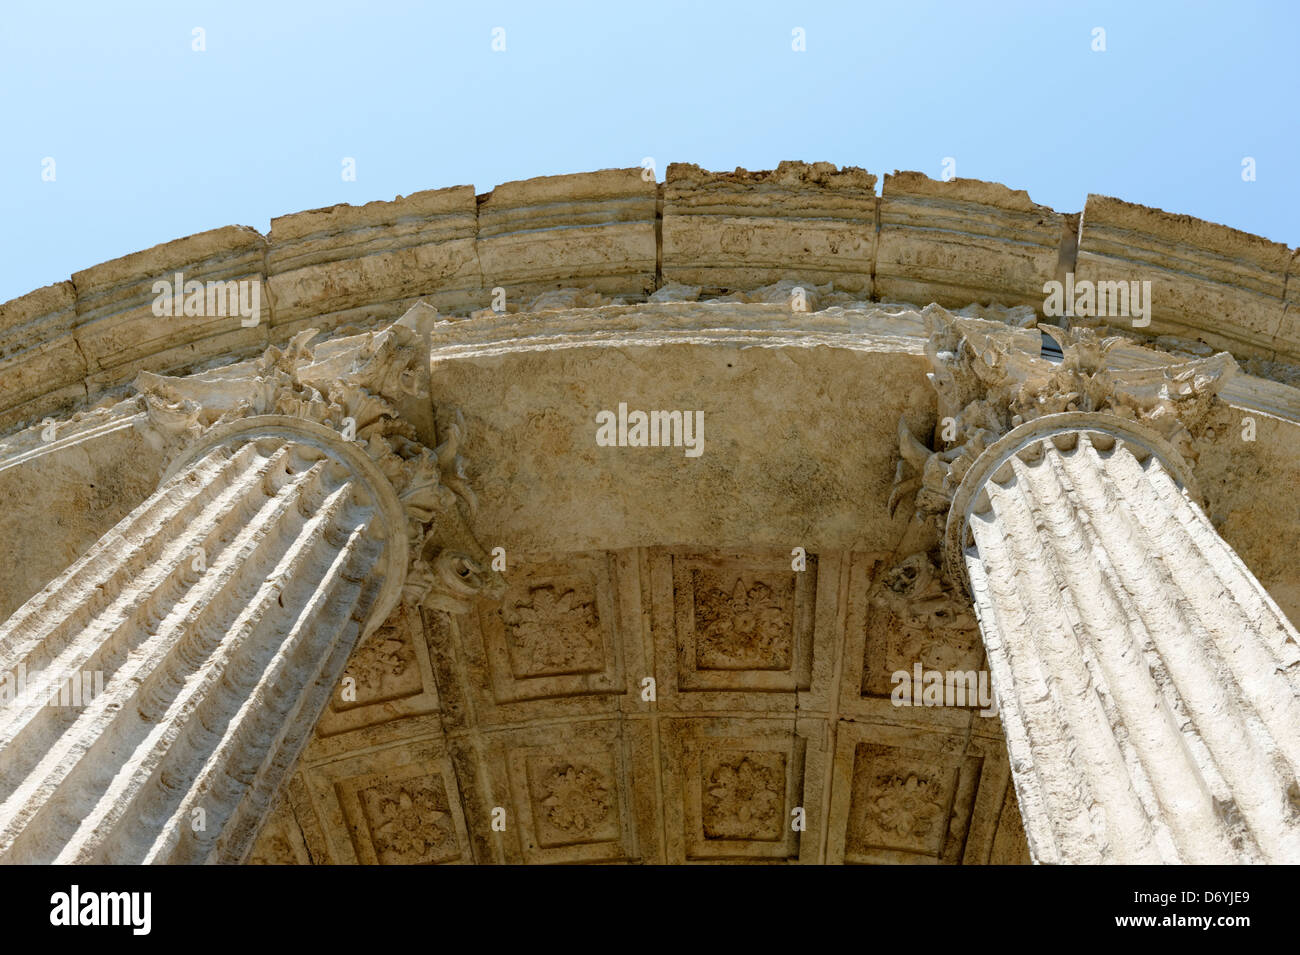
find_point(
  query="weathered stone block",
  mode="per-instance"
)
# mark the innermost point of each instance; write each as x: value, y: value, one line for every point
x: 362, y: 264
x: 41, y: 368
x: 119, y: 333
x: 592, y: 229
x: 963, y: 241
x: 1287, y: 343
x: 737, y: 230
x: 1209, y: 283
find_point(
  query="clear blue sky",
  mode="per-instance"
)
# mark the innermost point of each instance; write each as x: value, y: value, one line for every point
x: 153, y: 141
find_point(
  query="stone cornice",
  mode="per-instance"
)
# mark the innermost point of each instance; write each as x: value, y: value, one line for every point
x: 624, y: 237
x: 369, y: 392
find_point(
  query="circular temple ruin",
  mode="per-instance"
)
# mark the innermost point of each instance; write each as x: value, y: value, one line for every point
x: 740, y: 517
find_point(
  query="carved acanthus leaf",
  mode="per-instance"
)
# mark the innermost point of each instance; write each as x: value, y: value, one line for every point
x: 917, y: 593
x: 354, y: 385
x: 990, y: 378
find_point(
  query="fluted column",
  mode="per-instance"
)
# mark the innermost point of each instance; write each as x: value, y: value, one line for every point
x: 304, y: 499
x: 1148, y: 685
x: 216, y: 618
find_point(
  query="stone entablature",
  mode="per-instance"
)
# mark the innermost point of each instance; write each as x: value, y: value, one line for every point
x: 871, y: 362
x: 774, y: 685
x: 625, y: 237
x: 1094, y: 500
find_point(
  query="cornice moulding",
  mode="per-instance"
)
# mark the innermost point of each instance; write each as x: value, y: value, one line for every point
x: 621, y: 235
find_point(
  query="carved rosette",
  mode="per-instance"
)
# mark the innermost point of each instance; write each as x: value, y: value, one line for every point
x: 371, y: 392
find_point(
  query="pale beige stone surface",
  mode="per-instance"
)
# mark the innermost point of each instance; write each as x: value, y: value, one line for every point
x: 364, y: 264
x: 964, y: 241
x: 542, y: 717
x: 1147, y: 677
x: 1209, y: 283
x: 41, y: 366
x: 216, y: 617
x: 595, y: 229
x: 61, y: 500
x: 504, y: 718
x: 354, y: 266
x: 1288, y: 338
x: 729, y: 231
x: 117, y: 330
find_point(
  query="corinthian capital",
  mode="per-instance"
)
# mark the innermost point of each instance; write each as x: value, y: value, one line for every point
x: 372, y: 392
x: 991, y: 378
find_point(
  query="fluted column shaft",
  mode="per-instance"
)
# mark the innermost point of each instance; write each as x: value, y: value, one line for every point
x: 217, y: 618
x: 1149, y: 687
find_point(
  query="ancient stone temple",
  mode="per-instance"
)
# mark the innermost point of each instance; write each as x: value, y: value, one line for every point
x: 744, y: 517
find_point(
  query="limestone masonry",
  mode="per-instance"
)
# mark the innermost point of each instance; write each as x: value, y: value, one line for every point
x: 743, y: 517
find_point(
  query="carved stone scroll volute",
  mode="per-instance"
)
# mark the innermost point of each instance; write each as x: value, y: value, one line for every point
x: 990, y: 378
x: 373, y: 389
